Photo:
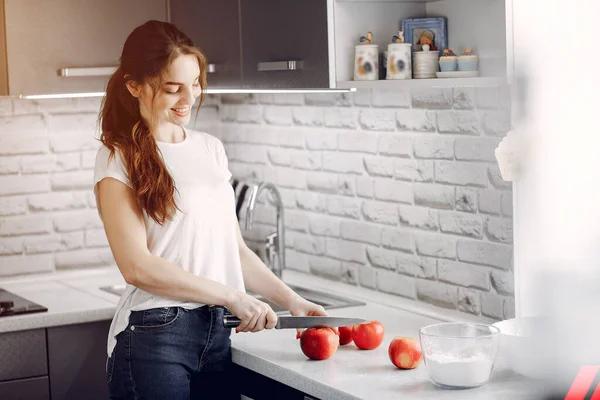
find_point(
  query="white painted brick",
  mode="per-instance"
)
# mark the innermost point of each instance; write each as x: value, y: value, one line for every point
x: 54, y: 242
x: 404, y: 119
x: 205, y: 117
x: 247, y: 172
x: 308, y: 116
x: 346, y: 250
x: 468, y: 275
x: 72, y: 180
x: 365, y: 187
x: 95, y: 238
x: 460, y: 173
x: 323, y: 182
x: 344, y: 207
x: 382, y: 258
x: 83, y: 124
x: 396, y: 144
x: 432, y: 98
x: 507, y: 204
x: 413, y: 170
x: 346, y: 185
x: 241, y: 113
x: 496, y: 178
x: 23, y: 124
x: 469, y: 301
x: 288, y: 197
x: 240, y: 98
x: 499, y: 230
x: 83, y: 258
x: 306, y: 160
x: 361, y: 232
x: 295, y: 99
x: 491, y: 305
x: 11, y: 246
x: 6, y: 107
x: 277, y: 115
x: 421, y: 120
x: 420, y: 267
x: 383, y: 213
x: 458, y: 122
x: 363, y: 142
x: 437, y: 293
x: 292, y: 138
x: 362, y: 97
x: 377, y: 120
x: 397, y: 98
x: 51, y: 163
x: 433, y: 147
x: 211, y: 100
x: 325, y: 267
x: 296, y: 221
x: 496, y: 122
x: 380, y: 166
x: 389, y: 190
x: 487, y: 97
x: 343, y: 162
x: 476, y: 149
x: 322, y: 99
x: 492, y: 254
x: 504, y: 95
x: 341, y: 117
x: 15, y: 205
x: 17, y: 144
x: 322, y: 225
x: 14, y: 265
x: 433, y: 195
x: 435, y: 245
x: 490, y: 201
x: 232, y: 133
x: 279, y: 156
x: 350, y: 274
x: 503, y: 282
x: 461, y: 223
x: 91, y: 199
x: 88, y: 159
x: 9, y: 165
x: 73, y: 142
x: 86, y: 104
x: 255, y: 154
x: 396, y: 238
x: 418, y: 217
x: 57, y: 201
x: 466, y: 199
x: 15, y: 184
x: 311, y: 201
x: 296, y: 261
x: 321, y: 140
x: 508, y: 307
x: 464, y: 98
x: 14, y: 226
x: 76, y: 220
x: 391, y: 282
x: 306, y: 243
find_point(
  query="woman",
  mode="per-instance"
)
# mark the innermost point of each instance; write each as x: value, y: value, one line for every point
x: 168, y: 211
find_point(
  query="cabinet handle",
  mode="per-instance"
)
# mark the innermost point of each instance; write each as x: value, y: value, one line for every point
x: 211, y: 68
x: 280, y: 66
x: 92, y: 71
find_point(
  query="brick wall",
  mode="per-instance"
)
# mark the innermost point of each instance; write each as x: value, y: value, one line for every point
x: 389, y: 190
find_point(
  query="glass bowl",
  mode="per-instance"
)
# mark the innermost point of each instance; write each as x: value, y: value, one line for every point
x: 459, y: 355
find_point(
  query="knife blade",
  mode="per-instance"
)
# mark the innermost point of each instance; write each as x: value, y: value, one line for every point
x: 291, y: 322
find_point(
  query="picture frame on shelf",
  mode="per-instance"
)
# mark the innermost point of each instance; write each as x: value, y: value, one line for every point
x: 431, y: 29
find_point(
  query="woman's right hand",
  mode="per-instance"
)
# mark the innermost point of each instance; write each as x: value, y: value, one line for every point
x: 255, y: 315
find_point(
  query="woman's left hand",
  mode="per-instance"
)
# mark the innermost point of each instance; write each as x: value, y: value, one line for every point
x: 301, y: 307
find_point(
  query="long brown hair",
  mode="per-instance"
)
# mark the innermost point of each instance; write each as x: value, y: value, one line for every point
x: 147, y: 52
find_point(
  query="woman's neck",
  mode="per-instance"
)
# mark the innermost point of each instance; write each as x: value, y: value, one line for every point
x: 169, y: 133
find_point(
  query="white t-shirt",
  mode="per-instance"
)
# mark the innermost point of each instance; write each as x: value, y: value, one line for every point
x: 201, y: 238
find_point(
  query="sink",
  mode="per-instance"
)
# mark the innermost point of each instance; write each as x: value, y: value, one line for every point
x: 328, y: 301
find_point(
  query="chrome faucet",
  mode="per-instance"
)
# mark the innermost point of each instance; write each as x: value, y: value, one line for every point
x: 275, y: 246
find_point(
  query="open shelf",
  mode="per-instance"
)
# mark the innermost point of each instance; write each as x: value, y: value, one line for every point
x: 423, y: 83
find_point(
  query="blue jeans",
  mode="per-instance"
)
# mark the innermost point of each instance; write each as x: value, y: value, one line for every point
x: 172, y: 353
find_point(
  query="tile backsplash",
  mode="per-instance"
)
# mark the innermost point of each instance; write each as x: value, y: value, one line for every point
x: 392, y: 190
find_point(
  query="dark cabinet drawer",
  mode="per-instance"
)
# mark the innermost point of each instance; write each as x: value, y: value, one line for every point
x: 26, y: 389
x: 23, y: 354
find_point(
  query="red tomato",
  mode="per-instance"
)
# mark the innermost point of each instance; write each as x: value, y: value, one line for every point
x: 345, y: 334
x: 368, y: 335
x: 405, y: 353
x: 319, y: 343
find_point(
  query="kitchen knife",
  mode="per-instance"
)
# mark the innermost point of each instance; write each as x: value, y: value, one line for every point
x: 289, y: 322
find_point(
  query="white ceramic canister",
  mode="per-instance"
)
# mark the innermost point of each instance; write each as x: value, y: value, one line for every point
x: 399, y: 65
x: 425, y: 64
x: 366, y: 62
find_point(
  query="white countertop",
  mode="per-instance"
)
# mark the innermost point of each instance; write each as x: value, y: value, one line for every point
x: 74, y: 297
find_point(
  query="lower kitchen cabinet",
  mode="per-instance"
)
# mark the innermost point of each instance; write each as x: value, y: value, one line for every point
x: 255, y: 386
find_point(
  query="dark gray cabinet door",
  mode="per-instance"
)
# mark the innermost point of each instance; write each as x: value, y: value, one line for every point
x: 288, y: 38
x: 214, y: 28
x: 77, y: 361
x: 25, y: 389
x: 23, y: 354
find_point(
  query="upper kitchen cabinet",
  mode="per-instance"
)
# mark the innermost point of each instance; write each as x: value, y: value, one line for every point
x: 44, y: 37
x: 214, y: 27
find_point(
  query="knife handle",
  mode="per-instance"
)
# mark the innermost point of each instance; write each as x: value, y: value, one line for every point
x: 231, y: 321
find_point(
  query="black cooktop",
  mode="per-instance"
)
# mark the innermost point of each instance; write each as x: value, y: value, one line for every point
x: 11, y: 304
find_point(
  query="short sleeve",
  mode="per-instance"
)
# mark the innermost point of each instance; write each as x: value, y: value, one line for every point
x: 222, y: 161
x: 105, y: 168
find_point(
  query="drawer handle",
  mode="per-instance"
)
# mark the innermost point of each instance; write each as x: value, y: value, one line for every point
x: 280, y: 66
x: 92, y: 71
